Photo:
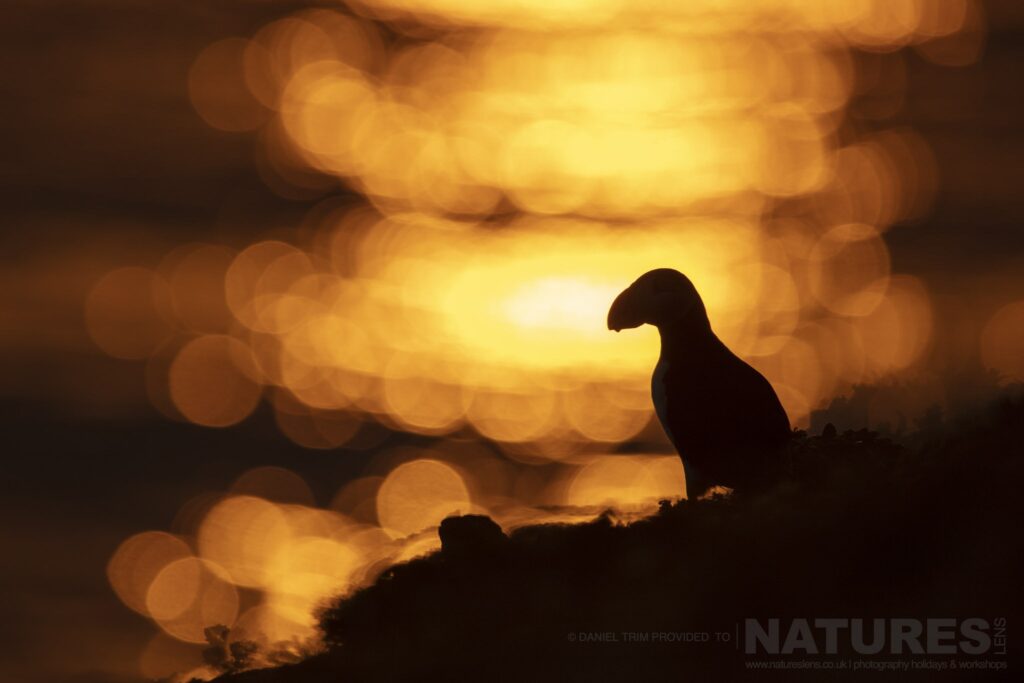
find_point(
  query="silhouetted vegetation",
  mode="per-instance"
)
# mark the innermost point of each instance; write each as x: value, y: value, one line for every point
x: 226, y: 655
x: 860, y: 527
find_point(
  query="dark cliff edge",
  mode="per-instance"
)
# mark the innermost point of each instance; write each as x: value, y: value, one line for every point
x: 861, y: 529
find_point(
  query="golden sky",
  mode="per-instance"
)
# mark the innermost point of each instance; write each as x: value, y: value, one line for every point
x: 284, y: 285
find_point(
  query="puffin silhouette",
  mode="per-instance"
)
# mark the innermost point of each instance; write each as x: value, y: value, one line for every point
x: 722, y: 416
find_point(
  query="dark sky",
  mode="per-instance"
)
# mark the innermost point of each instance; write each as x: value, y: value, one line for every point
x: 105, y: 162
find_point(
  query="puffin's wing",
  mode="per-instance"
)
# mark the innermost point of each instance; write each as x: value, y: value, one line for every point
x: 726, y: 422
x: 724, y: 404
x: 759, y: 411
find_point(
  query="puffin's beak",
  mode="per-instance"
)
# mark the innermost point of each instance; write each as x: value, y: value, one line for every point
x: 626, y: 311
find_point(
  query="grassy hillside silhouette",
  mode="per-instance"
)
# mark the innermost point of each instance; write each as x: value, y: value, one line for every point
x: 861, y: 527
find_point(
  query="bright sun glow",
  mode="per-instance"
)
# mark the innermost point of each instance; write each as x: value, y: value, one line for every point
x: 560, y: 304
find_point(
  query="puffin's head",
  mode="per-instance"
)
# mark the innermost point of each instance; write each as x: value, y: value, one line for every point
x: 659, y: 297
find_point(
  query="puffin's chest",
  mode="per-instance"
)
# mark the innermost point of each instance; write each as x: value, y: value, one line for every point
x: 660, y: 395
x: 687, y: 402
